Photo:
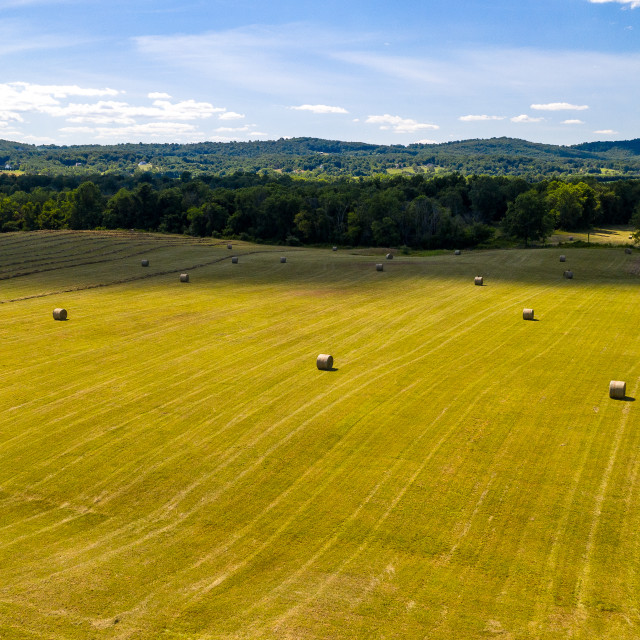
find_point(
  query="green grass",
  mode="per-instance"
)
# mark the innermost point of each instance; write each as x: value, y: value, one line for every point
x: 610, y: 235
x: 173, y: 465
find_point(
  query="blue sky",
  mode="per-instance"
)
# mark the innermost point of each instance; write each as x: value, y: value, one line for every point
x: 89, y: 71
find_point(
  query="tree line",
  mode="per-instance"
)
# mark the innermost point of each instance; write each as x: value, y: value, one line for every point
x: 314, y: 157
x: 415, y: 211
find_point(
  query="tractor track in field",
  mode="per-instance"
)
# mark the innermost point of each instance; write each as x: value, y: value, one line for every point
x: 370, y: 535
x: 8, y: 274
x: 99, y: 285
x: 309, y: 581
x: 585, y: 574
x: 152, y: 520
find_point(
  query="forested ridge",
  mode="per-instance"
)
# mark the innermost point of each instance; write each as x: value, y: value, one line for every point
x: 418, y: 211
x: 312, y: 157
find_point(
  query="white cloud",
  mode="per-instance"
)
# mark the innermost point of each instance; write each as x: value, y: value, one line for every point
x: 572, y: 122
x: 525, y: 118
x: 105, y: 111
x: 399, y: 125
x: 607, y: 132
x: 18, y: 97
x: 169, y: 131
x: 559, y: 106
x: 634, y: 4
x: 231, y: 115
x: 37, y: 139
x: 427, y: 142
x: 158, y: 95
x: 233, y: 129
x: 319, y: 108
x: 479, y: 118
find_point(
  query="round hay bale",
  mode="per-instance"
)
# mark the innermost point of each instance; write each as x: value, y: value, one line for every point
x: 234, y: 260
x: 617, y: 389
x: 335, y: 249
x: 389, y: 256
x: 568, y: 275
x: 478, y: 281
x: 59, y: 314
x: 630, y: 237
x: 184, y: 277
x: 627, y: 251
x: 324, y: 362
x: 283, y: 259
x: 570, y: 238
x: 145, y: 263
x: 527, y: 314
x: 563, y: 258
x: 379, y: 267
x: 229, y: 246
x: 457, y: 252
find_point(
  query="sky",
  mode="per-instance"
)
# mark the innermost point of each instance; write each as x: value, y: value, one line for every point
x: 431, y: 71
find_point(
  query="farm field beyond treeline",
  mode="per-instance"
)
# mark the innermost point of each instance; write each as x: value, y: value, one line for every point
x: 173, y: 464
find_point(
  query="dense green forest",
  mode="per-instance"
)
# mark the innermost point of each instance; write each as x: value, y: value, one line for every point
x: 418, y: 211
x: 311, y: 157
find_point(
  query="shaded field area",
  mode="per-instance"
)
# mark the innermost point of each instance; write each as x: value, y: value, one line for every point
x: 173, y: 465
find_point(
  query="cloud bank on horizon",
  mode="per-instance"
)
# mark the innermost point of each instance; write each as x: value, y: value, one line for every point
x: 159, y: 71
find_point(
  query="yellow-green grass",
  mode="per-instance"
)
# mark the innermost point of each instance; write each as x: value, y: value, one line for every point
x: 173, y: 465
x: 610, y: 235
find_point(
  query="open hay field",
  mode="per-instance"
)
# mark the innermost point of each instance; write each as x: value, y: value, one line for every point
x: 615, y: 234
x: 173, y: 464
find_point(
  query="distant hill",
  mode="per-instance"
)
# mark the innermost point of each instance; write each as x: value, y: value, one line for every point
x: 315, y: 157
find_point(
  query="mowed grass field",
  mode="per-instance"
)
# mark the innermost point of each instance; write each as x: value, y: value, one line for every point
x: 173, y: 465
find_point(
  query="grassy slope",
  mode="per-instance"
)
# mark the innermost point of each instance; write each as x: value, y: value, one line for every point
x: 173, y: 465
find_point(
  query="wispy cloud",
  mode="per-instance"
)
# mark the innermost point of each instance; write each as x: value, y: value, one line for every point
x: 168, y: 131
x: 525, y: 119
x: 158, y: 95
x: 319, y: 108
x: 634, y: 4
x: 572, y: 122
x: 19, y: 37
x: 607, y: 132
x: 289, y: 59
x: 11, y: 4
x: 559, y: 106
x: 479, y: 118
x: 398, y: 124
